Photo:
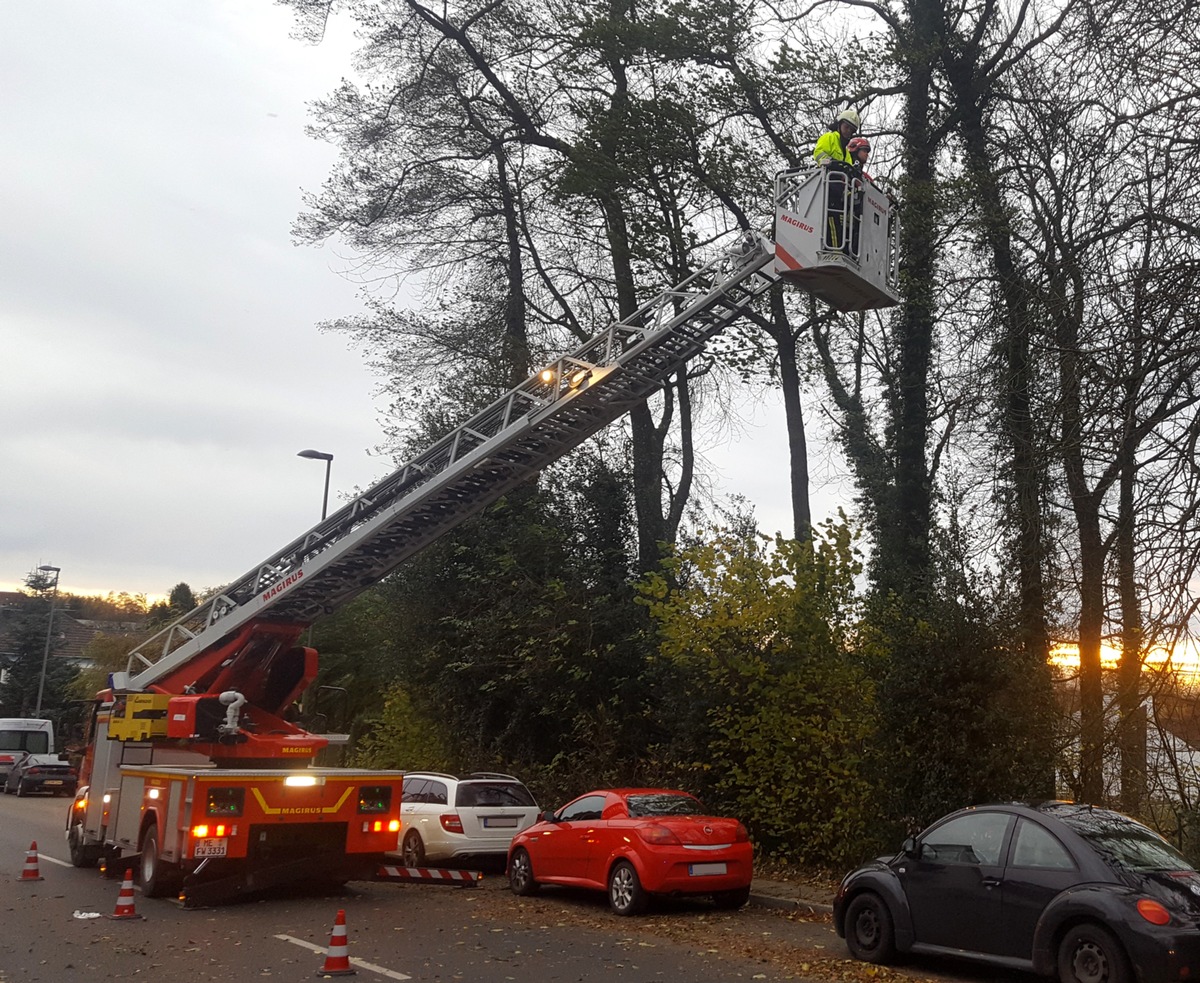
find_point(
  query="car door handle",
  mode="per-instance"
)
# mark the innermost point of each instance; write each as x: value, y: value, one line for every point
x: 991, y: 882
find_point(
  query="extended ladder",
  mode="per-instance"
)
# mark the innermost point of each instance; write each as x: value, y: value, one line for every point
x: 504, y: 445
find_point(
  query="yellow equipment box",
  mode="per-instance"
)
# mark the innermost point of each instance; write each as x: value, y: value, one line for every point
x: 138, y: 716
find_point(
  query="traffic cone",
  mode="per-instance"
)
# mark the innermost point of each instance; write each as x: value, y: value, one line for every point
x: 337, y: 961
x: 124, y: 907
x: 30, y: 871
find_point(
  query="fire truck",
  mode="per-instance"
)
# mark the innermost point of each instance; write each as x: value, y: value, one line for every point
x: 195, y: 771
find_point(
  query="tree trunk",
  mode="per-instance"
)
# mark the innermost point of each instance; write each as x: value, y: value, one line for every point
x: 515, y: 346
x: 1018, y: 379
x: 903, y: 562
x: 793, y: 412
x: 1131, y: 736
x: 1086, y: 508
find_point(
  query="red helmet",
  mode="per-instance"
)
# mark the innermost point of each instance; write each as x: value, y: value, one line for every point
x: 858, y: 143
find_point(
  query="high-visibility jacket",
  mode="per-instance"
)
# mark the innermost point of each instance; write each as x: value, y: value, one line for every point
x: 829, y: 147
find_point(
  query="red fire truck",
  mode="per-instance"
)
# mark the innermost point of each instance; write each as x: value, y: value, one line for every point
x: 193, y: 770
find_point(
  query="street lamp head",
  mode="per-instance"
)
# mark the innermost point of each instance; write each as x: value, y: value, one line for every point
x: 315, y: 455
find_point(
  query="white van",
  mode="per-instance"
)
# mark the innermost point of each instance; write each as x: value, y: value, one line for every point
x: 21, y: 734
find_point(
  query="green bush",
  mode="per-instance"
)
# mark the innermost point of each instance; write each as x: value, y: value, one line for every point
x: 758, y: 668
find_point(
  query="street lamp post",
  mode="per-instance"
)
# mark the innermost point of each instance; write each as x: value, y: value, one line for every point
x: 37, y: 710
x: 328, y: 459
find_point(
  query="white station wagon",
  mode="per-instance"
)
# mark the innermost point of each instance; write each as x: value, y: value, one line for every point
x: 447, y: 818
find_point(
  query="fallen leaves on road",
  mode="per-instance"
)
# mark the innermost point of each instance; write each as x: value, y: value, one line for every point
x: 785, y: 945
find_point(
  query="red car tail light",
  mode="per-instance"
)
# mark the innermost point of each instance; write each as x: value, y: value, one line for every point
x: 1153, y: 912
x: 659, y: 835
x: 741, y: 834
x: 451, y: 822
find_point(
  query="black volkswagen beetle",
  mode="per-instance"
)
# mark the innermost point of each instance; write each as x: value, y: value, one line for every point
x: 1083, y: 893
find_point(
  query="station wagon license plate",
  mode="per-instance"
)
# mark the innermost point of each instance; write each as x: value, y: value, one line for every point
x: 500, y: 822
x: 702, y: 870
x: 212, y: 847
x: 52, y: 781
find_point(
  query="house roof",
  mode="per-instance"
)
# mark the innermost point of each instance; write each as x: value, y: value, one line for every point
x: 71, y: 635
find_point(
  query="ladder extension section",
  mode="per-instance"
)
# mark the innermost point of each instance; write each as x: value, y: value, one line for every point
x: 499, y: 448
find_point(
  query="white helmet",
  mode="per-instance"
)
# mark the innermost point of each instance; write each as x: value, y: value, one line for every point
x: 849, y: 116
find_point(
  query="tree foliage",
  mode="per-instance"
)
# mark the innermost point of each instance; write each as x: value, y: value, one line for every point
x: 519, y: 634
x: 32, y: 640
x: 762, y: 672
x: 180, y: 601
x: 1031, y: 406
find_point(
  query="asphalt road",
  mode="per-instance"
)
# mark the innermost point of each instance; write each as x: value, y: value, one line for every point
x: 56, y: 930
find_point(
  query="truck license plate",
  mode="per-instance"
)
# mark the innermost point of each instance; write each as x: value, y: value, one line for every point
x: 52, y: 781
x: 211, y: 847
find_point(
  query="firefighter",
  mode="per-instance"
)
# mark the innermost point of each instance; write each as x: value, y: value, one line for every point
x: 859, y: 148
x: 832, y: 146
x: 832, y: 153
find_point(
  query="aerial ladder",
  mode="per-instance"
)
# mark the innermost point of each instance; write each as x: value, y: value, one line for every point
x: 194, y: 766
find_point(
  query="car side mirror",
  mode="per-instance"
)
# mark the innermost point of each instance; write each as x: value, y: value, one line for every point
x: 549, y: 817
x: 909, y: 847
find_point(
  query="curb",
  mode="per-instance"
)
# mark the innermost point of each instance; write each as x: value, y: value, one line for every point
x: 785, y: 904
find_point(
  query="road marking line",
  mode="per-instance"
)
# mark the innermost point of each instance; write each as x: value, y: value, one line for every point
x: 52, y: 860
x: 354, y: 961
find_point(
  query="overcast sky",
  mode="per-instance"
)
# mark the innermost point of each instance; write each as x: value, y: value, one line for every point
x: 160, y: 363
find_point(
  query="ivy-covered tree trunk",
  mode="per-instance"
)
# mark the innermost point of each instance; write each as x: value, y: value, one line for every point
x: 903, y: 563
x: 1017, y: 379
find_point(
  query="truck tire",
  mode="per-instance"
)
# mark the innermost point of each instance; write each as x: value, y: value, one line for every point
x: 158, y: 877
x: 82, y: 855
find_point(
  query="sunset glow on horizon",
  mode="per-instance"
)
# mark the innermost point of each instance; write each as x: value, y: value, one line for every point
x: 1184, y: 658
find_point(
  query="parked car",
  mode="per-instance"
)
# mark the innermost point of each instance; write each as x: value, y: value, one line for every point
x: 23, y: 735
x: 41, y: 773
x: 449, y: 818
x: 1083, y: 893
x: 634, y: 843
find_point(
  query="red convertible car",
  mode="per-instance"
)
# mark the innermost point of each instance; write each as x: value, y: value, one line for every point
x: 635, y: 843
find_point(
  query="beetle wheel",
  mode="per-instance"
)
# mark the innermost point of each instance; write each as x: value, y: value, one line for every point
x: 1089, y: 954
x: 868, y: 927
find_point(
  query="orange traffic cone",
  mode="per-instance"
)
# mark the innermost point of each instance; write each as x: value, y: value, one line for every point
x: 30, y: 871
x: 337, y: 961
x: 124, y: 907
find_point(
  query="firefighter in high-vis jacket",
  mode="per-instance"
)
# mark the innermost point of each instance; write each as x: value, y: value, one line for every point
x: 833, y: 150
x: 833, y: 144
